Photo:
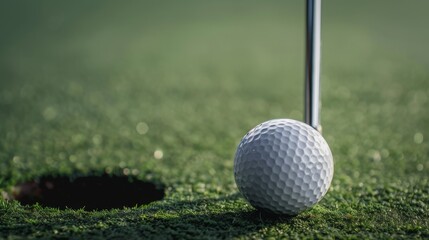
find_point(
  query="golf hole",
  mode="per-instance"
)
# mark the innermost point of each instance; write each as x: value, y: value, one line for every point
x: 88, y: 192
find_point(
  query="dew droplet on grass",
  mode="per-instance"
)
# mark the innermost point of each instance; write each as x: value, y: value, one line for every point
x: 418, y: 138
x: 49, y: 113
x: 142, y: 128
x: 158, y: 154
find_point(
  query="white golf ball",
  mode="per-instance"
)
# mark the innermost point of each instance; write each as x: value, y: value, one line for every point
x: 283, y: 166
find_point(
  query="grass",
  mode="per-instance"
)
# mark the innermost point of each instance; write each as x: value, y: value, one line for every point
x: 101, y: 86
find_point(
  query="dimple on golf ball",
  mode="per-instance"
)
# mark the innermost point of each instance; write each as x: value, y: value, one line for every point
x: 283, y: 166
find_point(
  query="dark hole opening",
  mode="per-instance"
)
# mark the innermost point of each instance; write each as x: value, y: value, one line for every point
x: 88, y: 192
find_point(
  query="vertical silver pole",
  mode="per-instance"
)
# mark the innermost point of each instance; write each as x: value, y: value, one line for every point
x: 312, y: 64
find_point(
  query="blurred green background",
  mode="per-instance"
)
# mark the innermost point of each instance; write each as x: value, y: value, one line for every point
x: 164, y: 90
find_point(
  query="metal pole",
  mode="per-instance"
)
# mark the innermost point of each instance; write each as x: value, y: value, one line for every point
x: 312, y: 64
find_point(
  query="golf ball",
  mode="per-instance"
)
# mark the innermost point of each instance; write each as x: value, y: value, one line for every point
x: 283, y: 166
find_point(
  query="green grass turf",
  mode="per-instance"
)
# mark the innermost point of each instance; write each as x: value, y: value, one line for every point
x: 78, y: 77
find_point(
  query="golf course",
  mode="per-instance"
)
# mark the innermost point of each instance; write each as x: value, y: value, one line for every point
x: 147, y: 101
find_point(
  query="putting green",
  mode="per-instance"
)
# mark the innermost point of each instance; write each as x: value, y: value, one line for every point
x: 164, y: 91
